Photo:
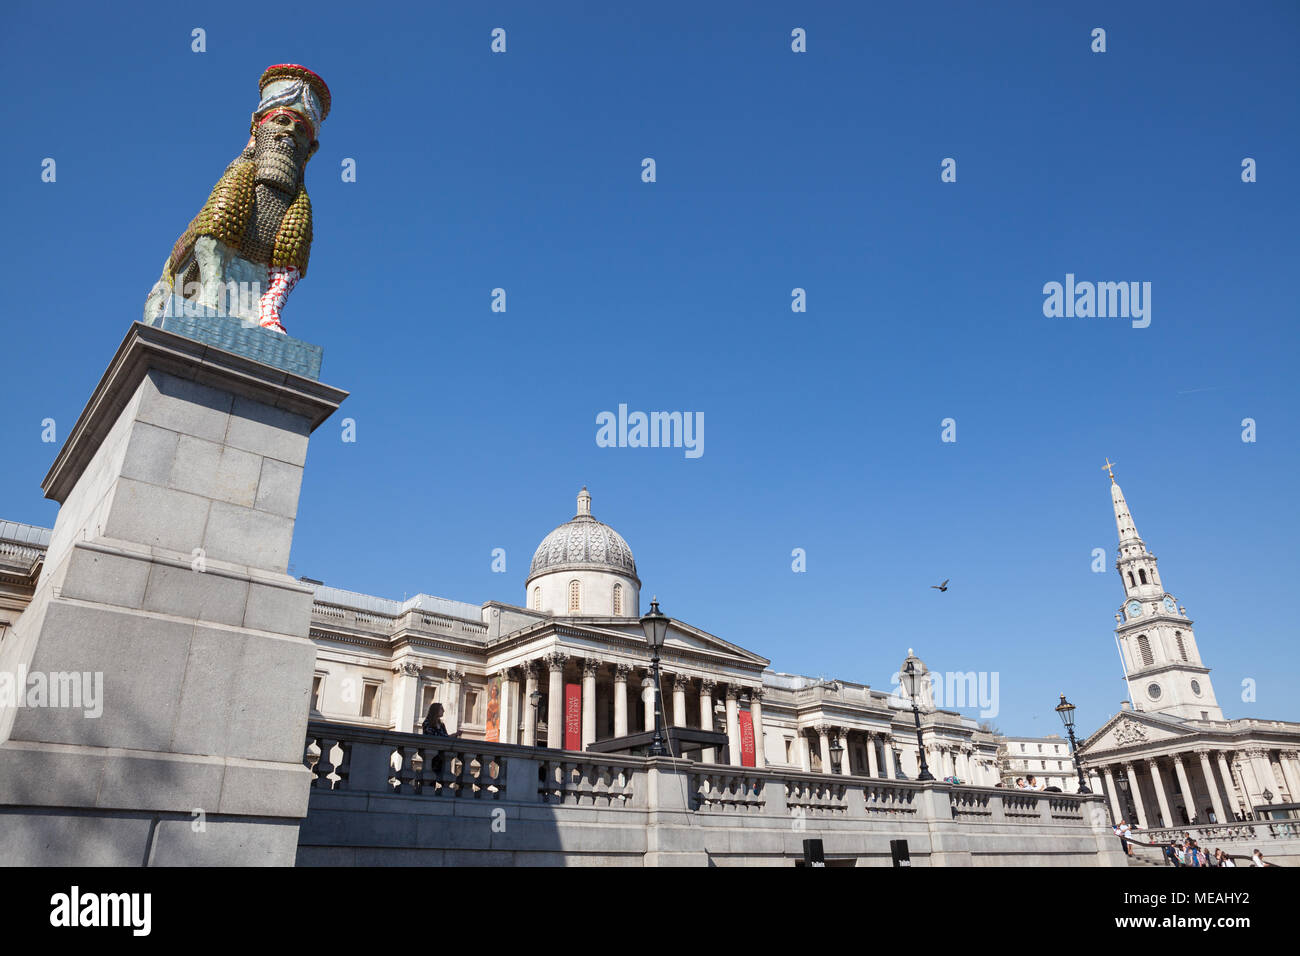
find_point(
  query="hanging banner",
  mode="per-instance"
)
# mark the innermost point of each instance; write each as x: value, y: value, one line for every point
x: 572, y: 716
x: 494, y: 711
x: 746, y: 739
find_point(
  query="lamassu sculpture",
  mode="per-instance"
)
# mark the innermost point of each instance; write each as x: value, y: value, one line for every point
x: 249, y: 245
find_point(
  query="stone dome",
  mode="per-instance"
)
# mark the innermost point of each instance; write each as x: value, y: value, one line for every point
x: 583, y: 542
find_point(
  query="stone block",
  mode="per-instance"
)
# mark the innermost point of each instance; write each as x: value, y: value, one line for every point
x: 184, y: 406
x: 279, y: 609
x: 101, y: 577
x: 53, y: 838
x: 160, y: 517
x: 278, y: 488
x: 142, y: 659
x: 37, y: 775
x: 215, y: 471
x: 150, y: 453
x: 273, y: 684
x: 200, y: 595
x: 209, y: 693
x: 268, y: 432
x: 245, y: 536
x: 223, y: 842
x: 161, y: 783
x: 264, y: 790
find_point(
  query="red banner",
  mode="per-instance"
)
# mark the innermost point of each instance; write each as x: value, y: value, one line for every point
x: 572, y: 716
x: 493, y: 734
x: 746, y: 739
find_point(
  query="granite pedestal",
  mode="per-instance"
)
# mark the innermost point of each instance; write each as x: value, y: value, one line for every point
x: 166, y: 574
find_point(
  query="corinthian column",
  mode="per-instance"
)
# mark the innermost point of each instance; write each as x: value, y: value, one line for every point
x: 589, y: 667
x: 824, y: 739
x: 707, y: 754
x: 1165, y: 816
x: 530, y: 710
x: 756, y: 714
x: 620, y: 699
x: 890, y: 766
x: 1116, y: 813
x: 1137, y: 795
x: 1185, y: 788
x: 733, y: 723
x: 679, y: 700
x: 451, y: 712
x: 555, y: 702
x: 873, y: 766
x: 1208, y: 773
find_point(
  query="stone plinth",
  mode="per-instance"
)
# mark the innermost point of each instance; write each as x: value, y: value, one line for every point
x: 166, y: 576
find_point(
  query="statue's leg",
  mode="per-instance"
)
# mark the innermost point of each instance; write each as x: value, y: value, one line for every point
x: 282, y: 281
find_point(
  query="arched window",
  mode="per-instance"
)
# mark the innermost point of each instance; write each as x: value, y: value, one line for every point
x: 618, y: 600
x: 1182, y: 648
x: 1131, y: 582
x: 1144, y: 648
x: 1142, y: 575
x: 575, y: 597
x: 537, y: 599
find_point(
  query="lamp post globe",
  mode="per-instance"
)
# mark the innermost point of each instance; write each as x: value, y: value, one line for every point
x: 655, y: 626
x: 1066, y: 710
x: 912, y: 676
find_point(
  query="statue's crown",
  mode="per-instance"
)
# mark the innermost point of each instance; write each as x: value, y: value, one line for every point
x: 293, y: 87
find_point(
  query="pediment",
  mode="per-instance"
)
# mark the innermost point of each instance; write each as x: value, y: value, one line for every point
x: 1128, y: 730
x: 681, y: 639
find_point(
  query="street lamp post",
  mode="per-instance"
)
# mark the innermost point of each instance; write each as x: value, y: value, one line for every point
x: 535, y: 698
x: 912, y: 681
x: 655, y: 625
x: 1066, y: 710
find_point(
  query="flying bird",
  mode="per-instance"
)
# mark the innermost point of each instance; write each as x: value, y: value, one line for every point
x: 941, y: 587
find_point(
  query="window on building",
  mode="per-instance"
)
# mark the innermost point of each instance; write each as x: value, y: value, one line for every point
x: 618, y: 600
x: 1144, y: 648
x: 1142, y: 575
x: 370, y: 700
x: 317, y: 683
x: 1182, y: 647
x: 1131, y: 582
x: 537, y: 599
x: 575, y: 597
x: 471, y: 707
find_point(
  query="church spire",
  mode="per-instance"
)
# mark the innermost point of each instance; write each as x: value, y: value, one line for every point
x: 1162, y: 664
x: 1128, y: 532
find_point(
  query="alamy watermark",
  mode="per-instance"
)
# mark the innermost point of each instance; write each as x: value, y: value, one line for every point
x: 70, y: 689
x: 653, y: 430
x: 1103, y: 300
x: 954, y: 690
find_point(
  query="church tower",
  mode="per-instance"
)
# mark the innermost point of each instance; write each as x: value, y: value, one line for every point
x: 1161, y: 661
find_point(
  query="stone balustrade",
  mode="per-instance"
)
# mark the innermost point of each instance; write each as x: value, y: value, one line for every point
x: 382, y: 797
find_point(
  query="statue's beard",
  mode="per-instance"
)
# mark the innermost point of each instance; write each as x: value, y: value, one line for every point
x: 277, y: 161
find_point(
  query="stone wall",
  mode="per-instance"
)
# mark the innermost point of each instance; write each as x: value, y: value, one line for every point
x: 473, y: 803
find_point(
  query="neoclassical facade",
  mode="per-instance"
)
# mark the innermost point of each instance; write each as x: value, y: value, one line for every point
x: 1169, y: 758
x: 382, y: 662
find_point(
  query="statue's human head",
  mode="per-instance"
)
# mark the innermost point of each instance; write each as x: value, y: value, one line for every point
x: 294, y: 104
x: 282, y: 144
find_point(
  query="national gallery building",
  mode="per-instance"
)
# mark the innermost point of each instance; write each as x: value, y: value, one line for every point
x: 572, y: 667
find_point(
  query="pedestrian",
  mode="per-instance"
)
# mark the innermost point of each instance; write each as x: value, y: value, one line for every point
x: 1257, y: 859
x: 433, y: 725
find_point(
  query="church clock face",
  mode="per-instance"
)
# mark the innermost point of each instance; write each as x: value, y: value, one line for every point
x: 1134, y: 609
x: 1170, y: 606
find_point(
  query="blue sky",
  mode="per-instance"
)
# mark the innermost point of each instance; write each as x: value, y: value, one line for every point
x: 775, y: 170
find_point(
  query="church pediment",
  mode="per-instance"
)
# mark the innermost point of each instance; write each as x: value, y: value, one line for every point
x: 1127, y: 730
